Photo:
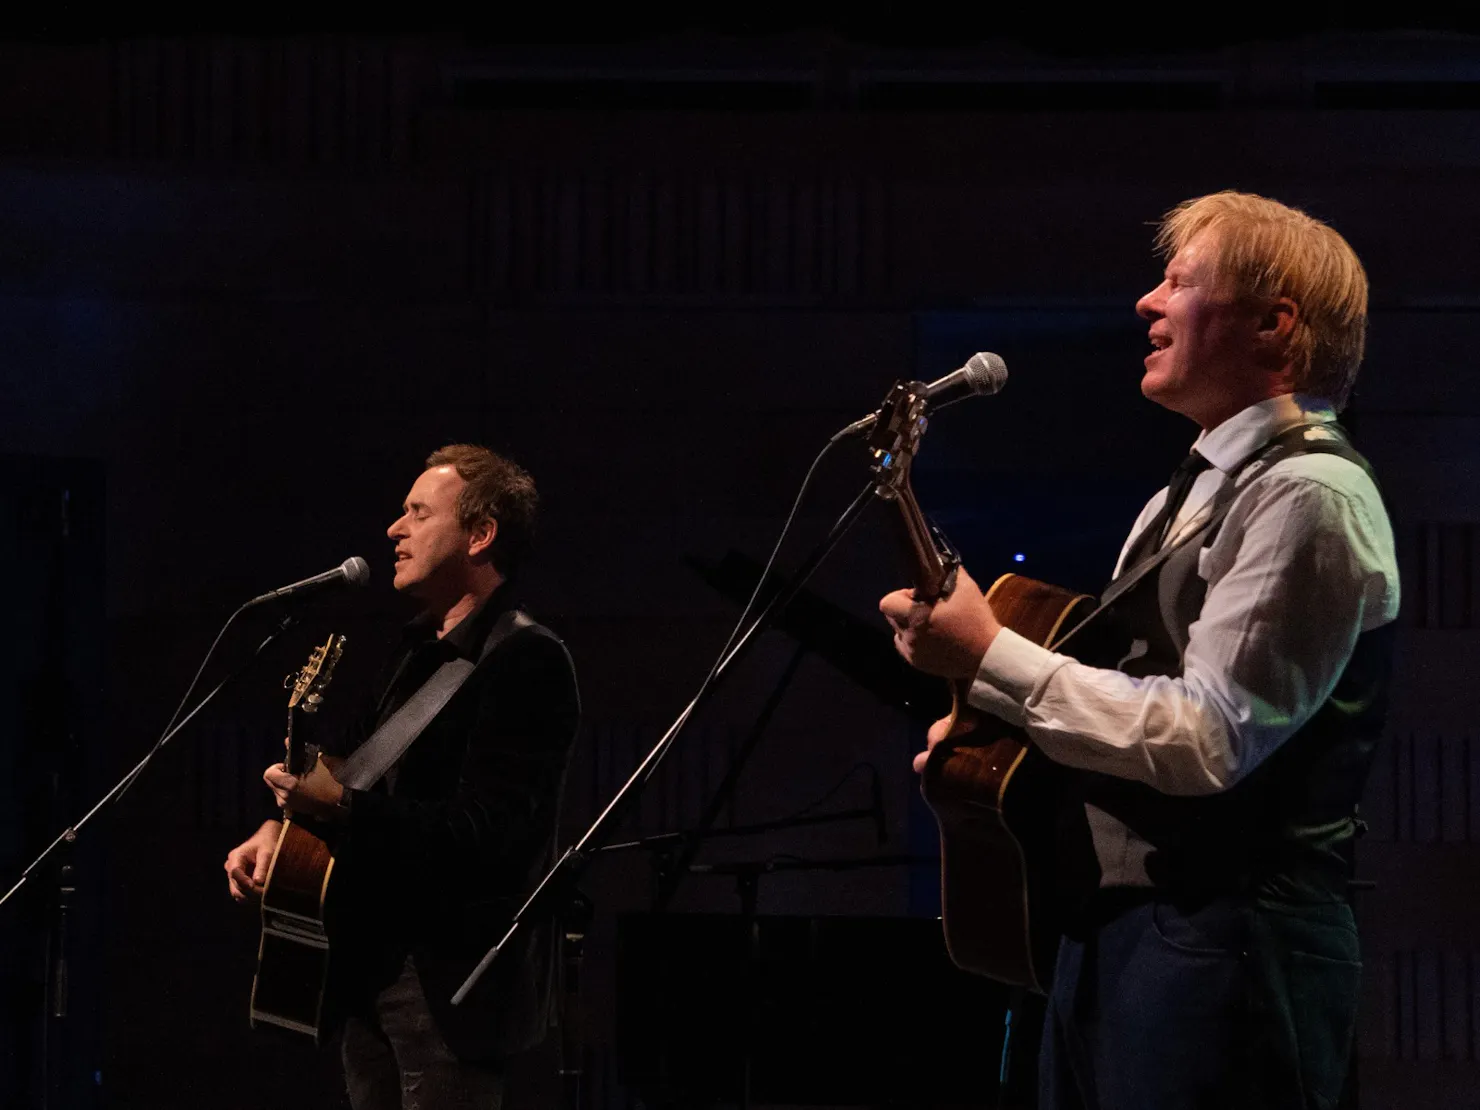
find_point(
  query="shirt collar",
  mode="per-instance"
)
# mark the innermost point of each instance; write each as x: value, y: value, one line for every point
x: 1238, y: 437
x: 467, y: 636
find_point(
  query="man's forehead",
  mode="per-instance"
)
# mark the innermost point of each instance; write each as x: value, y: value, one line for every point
x: 1199, y: 252
x: 438, y: 483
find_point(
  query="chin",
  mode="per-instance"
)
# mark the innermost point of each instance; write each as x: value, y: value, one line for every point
x: 1152, y: 387
x: 1158, y: 389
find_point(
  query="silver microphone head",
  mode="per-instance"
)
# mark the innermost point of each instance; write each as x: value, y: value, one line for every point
x: 985, y: 372
x: 356, y: 571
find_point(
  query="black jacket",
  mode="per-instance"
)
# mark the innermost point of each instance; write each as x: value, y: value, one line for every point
x: 434, y: 859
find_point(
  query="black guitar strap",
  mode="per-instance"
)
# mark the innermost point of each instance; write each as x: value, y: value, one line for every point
x: 378, y: 754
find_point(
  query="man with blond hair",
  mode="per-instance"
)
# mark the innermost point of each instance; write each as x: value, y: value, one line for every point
x: 1222, y: 758
x: 432, y: 857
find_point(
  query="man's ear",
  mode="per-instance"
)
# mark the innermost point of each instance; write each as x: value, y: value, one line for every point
x: 1279, y: 320
x: 481, y: 538
x: 1275, y: 331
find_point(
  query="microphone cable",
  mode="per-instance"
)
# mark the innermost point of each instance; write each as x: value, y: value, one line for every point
x: 355, y: 572
x: 170, y: 729
x: 740, y: 630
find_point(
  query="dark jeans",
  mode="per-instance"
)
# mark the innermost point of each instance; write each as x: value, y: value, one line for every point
x: 1229, y: 1005
x: 394, y: 1058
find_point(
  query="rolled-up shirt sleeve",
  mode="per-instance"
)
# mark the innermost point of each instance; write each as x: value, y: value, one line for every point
x: 1301, y: 566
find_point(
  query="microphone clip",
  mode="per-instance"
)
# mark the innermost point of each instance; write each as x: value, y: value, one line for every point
x: 865, y: 425
x: 984, y: 374
x: 894, y: 436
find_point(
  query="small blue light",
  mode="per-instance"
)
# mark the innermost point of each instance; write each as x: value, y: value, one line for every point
x: 888, y: 458
x: 1018, y: 558
x: 97, y: 1079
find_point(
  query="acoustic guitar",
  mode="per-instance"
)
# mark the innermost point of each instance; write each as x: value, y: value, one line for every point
x: 293, y: 956
x: 1015, y: 851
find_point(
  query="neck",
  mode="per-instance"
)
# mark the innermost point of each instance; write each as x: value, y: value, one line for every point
x: 1232, y: 406
x: 459, y: 605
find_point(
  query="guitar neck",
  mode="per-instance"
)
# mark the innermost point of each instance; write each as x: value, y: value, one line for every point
x: 931, y: 562
x: 301, y: 754
x: 893, y: 442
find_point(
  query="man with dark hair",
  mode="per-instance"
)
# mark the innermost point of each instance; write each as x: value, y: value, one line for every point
x: 431, y: 860
x: 494, y: 488
x: 1221, y: 760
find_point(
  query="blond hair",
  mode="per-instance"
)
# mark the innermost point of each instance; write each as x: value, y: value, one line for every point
x: 1266, y: 250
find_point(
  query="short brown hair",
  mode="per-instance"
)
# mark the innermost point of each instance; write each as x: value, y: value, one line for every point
x: 497, y: 489
x: 1268, y: 249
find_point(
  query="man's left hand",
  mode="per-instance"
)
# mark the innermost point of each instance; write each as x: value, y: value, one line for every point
x: 947, y: 637
x: 316, y: 794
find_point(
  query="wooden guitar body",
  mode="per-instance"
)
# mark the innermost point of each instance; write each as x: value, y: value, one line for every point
x: 1013, y: 852
x: 293, y: 957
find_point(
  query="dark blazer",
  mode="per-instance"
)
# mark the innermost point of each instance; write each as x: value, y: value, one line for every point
x: 435, y: 859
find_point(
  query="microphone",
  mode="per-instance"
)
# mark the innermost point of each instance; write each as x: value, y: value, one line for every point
x: 354, y: 571
x: 983, y: 374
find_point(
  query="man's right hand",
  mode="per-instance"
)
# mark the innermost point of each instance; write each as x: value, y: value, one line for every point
x: 246, y: 864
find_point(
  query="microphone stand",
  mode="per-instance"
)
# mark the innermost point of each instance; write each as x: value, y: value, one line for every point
x: 687, y: 848
x: 673, y: 852
x: 68, y: 836
x: 664, y: 841
x: 572, y: 864
x: 58, y: 857
x: 54, y: 1039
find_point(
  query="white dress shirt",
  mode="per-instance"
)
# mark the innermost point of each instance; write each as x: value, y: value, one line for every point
x: 1302, y: 564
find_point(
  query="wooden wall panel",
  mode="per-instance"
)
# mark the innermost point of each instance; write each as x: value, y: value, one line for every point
x: 276, y: 100
x: 659, y: 237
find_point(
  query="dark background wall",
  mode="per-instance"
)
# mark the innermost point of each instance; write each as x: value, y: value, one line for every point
x: 254, y: 276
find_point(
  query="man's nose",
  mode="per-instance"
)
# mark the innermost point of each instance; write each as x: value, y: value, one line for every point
x: 1149, y: 306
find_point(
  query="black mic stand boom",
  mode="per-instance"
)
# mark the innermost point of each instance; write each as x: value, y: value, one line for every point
x: 68, y: 836
x: 569, y: 868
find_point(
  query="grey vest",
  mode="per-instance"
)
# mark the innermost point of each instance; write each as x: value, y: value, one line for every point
x: 1286, y: 829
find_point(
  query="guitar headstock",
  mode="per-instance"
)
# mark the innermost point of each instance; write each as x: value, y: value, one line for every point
x: 308, y: 684
x: 898, y: 429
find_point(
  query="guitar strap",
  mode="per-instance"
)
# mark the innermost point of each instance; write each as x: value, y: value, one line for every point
x: 1297, y: 440
x: 378, y: 754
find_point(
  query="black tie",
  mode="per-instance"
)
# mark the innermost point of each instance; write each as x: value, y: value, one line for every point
x: 1155, y: 532
x: 1177, y: 490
